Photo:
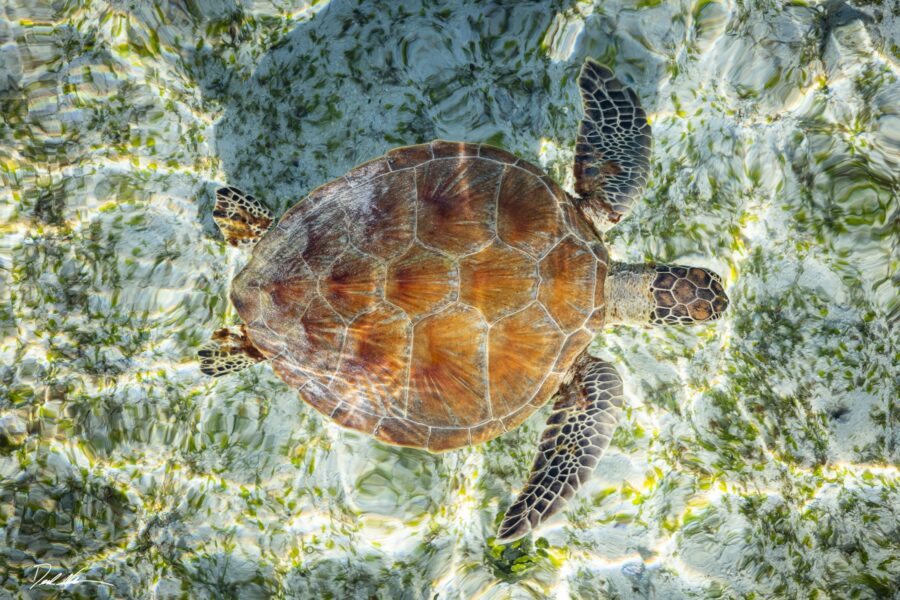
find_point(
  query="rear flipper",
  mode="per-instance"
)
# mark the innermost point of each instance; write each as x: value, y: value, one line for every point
x: 240, y: 217
x: 228, y: 351
x: 578, y: 432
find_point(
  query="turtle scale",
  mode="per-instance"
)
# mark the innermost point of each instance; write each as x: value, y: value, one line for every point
x: 434, y: 297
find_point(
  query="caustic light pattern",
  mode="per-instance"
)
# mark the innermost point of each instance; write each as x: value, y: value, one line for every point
x: 753, y: 457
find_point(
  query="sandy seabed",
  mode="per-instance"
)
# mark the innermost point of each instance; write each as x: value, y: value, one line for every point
x: 757, y: 458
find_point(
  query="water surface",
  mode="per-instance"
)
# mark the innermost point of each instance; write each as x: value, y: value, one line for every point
x: 757, y: 457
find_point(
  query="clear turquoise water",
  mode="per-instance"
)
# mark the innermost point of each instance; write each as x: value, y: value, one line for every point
x: 757, y: 458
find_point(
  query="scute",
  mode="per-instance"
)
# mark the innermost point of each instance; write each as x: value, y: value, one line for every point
x: 523, y: 349
x: 457, y: 211
x: 353, y: 283
x: 421, y: 298
x: 326, y: 231
x: 317, y: 339
x: 447, y: 384
x: 374, y: 361
x: 568, y: 275
x: 422, y: 281
x: 383, y: 226
x: 497, y: 280
x: 529, y: 218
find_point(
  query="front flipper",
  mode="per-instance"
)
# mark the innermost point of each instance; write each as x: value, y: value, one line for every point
x: 228, y: 351
x: 612, y: 154
x: 578, y: 432
x: 240, y: 217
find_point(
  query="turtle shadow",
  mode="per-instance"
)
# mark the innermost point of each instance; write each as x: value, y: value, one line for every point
x: 360, y: 78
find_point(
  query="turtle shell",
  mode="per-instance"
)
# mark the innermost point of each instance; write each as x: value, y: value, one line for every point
x: 434, y: 297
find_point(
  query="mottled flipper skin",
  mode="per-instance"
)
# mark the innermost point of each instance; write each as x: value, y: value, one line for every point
x: 612, y: 154
x: 228, y: 351
x: 578, y: 432
x: 240, y: 217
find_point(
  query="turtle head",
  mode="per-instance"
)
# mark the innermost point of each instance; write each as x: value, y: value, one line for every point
x: 663, y: 295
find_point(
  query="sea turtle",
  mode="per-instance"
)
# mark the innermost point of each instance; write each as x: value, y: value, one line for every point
x: 437, y: 296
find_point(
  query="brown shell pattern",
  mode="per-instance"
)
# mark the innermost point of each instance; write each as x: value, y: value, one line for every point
x: 434, y: 297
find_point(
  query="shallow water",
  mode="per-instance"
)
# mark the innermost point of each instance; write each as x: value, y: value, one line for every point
x: 757, y: 457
